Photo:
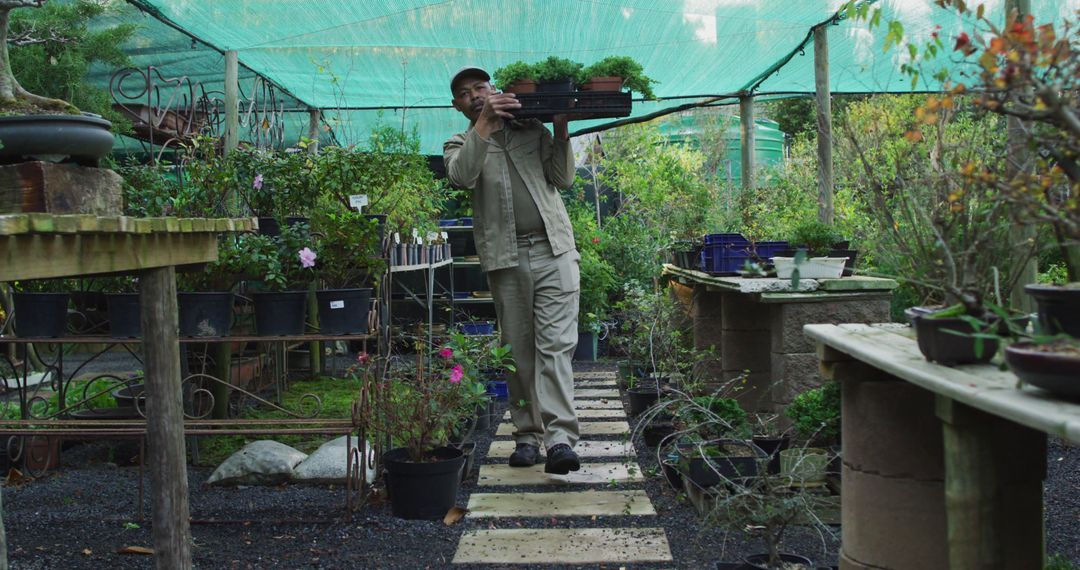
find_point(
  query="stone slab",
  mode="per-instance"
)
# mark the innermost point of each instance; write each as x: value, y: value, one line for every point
x: 596, y: 393
x: 501, y: 449
x: 594, y: 374
x: 604, y: 413
x: 590, y: 473
x: 563, y: 546
x: 595, y: 384
x: 585, y: 428
x: 598, y: 404
x: 561, y: 504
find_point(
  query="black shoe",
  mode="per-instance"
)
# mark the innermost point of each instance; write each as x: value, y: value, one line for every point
x: 525, y: 455
x: 561, y: 460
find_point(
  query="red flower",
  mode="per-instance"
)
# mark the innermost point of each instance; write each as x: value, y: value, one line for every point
x: 596, y: 240
x: 363, y: 358
x: 456, y: 373
x: 446, y: 352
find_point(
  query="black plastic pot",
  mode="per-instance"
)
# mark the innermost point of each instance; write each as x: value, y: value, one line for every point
x: 343, y: 311
x: 655, y: 432
x: 483, y: 414
x: 671, y: 472
x: 557, y: 86
x: 641, y: 398
x: 130, y: 396
x: 1055, y: 372
x: 586, y: 347
x: 722, y: 467
x: 772, y: 446
x: 280, y: 313
x: 1059, y: 308
x: 423, y: 490
x: 205, y: 314
x: 124, y: 315
x: 761, y: 561
x: 939, y: 345
x: 41, y: 315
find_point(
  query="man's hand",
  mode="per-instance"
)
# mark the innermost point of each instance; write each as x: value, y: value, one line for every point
x: 559, y: 124
x: 498, y: 108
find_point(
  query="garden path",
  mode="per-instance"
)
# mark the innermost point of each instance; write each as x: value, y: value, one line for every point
x: 609, y: 484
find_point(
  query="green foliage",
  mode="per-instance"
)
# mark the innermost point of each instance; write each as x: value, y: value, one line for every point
x: 58, y: 63
x: 1056, y: 274
x: 816, y: 413
x: 621, y: 66
x: 276, y: 259
x: 556, y: 69
x: 278, y: 184
x: 150, y: 191
x: 817, y: 236
x: 348, y: 248
x: 220, y: 275
x: 508, y: 74
x: 598, y: 281
x: 1060, y: 562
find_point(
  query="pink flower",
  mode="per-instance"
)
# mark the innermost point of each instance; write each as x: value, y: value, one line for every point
x: 446, y: 352
x: 456, y: 373
x: 257, y: 183
x: 363, y: 358
x: 307, y: 258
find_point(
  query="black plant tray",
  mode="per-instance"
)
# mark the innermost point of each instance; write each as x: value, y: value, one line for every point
x: 579, y: 105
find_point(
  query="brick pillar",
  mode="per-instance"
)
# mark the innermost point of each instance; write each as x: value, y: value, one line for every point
x: 706, y: 312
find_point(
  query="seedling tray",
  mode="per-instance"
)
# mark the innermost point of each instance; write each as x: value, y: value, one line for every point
x: 578, y: 105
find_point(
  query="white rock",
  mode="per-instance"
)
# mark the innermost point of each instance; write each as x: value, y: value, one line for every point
x: 328, y: 463
x: 263, y: 462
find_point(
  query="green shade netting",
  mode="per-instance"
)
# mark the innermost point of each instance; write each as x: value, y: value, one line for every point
x: 381, y: 59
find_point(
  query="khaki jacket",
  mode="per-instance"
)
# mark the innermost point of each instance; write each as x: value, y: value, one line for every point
x: 545, y: 165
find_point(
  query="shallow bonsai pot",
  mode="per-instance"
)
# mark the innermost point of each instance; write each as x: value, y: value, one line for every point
x: 939, y: 345
x: 605, y: 83
x: 761, y: 561
x: 521, y: 86
x: 1059, y: 308
x: 1055, y: 372
x: 82, y: 139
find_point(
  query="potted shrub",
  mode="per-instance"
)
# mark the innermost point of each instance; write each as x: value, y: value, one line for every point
x: 122, y: 302
x: 818, y: 240
x: 815, y: 414
x: 41, y: 308
x: 613, y: 73
x: 416, y: 410
x: 205, y: 297
x: 280, y: 189
x: 349, y: 266
x: 284, y: 263
x: 518, y: 77
x: 484, y: 360
x: 556, y: 74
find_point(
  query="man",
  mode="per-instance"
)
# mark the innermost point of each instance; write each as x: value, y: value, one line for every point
x: 526, y: 246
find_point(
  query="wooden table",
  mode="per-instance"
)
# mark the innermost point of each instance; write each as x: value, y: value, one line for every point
x: 43, y: 246
x: 755, y: 326
x: 943, y: 467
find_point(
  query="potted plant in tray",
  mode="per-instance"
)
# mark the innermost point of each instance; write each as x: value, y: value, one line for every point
x: 815, y: 414
x: 556, y: 74
x: 518, y: 77
x: 818, y: 240
x: 349, y: 266
x: 615, y: 72
x: 416, y: 409
x: 284, y: 263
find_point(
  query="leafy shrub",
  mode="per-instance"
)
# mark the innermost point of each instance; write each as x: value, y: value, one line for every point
x: 517, y: 71
x: 816, y: 413
x: 557, y: 69
x: 621, y: 66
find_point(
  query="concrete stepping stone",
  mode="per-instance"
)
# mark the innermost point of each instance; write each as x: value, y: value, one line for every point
x: 560, y: 504
x: 589, y: 413
x: 586, y: 428
x: 563, y: 546
x: 595, y: 374
x: 595, y: 393
x: 590, y: 473
x: 595, y: 404
x: 502, y: 448
x: 596, y: 384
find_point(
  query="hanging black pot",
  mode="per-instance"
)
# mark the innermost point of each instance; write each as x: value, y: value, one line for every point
x: 41, y: 315
x: 205, y: 314
x: 424, y: 490
x: 343, y: 311
x: 124, y: 315
x: 280, y: 313
x: 761, y: 561
x: 641, y: 398
x: 1059, y: 308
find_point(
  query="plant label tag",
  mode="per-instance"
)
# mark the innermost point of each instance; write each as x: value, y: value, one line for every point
x: 415, y: 235
x: 337, y: 304
x: 358, y: 201
x: 397, y: 237
x: 432, y: 236
x: 444, y: 236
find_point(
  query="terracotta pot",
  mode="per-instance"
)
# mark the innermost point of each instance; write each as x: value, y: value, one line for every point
x: 521, y: 86
x: 607, y: 83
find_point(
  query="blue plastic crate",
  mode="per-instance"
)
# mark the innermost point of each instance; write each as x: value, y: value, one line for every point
x: 730, y: 238
x: 723, y: 259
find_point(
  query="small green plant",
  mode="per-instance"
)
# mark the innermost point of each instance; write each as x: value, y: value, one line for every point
x: 131, y: 526
x: 509, y: 74
x: 818, y: 237
x: 557, y: 69
x: 1060, y: 562
x: 621, y: 66
x: 816, y: 413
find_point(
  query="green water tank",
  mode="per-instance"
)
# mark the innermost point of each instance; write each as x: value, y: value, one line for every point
x: 769, y: 142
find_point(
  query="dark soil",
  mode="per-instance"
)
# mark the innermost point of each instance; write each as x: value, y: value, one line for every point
x: 80, y: 516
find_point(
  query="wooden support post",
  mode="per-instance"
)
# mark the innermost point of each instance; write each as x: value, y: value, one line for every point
x: 315, y: 348
x: 165, y: 419
x: 223, y: 372
x: 994, y: 471
x: 824, y: 124
x: 747, y: 139
x: 1019, y: 159
x: 232, y: 100
x: 314, y: 122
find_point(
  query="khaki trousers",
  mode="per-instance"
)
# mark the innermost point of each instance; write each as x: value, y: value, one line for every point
x: 537, y: 306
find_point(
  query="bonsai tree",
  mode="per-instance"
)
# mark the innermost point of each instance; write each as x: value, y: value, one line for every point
x: 815, y: 414
x: 12, y: 95
x: 509, y: 74
x: 818, y: 237
x: 557, y: 69
x: 623, y: 66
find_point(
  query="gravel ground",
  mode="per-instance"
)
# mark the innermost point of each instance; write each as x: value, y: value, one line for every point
x: 79, y: 516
